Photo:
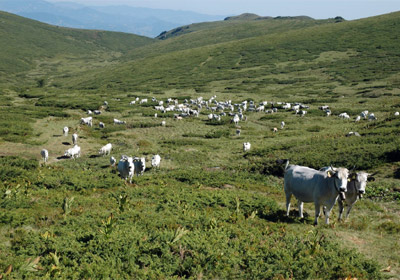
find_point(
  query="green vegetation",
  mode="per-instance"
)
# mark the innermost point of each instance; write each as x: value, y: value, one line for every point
x: 211, y: 210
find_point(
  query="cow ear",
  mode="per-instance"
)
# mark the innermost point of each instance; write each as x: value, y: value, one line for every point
x: 371, y: 179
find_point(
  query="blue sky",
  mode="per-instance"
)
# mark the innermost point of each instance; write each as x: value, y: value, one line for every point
x: 349, y: 9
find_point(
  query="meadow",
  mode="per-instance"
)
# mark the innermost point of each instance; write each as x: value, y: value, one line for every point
x: 211, y: 211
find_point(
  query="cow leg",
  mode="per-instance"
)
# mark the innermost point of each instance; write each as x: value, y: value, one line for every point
x: 341, y: 208
x: 288, y: 197
x: 300, y: 204
x: 328, y: 212
x: 317, y: 212
x: 348, y: 210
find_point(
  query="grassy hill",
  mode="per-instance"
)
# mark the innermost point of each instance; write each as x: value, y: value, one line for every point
x: 212, y: 211
x: 345, y: 53
x: 25, y: 42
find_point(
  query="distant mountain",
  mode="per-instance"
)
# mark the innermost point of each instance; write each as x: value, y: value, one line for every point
x: 142, y: 21
x: 25, y: 42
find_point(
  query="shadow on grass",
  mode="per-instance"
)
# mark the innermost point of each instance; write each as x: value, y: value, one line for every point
x: 280, y: 217
x: 63, y: 157
x: 66, y: 143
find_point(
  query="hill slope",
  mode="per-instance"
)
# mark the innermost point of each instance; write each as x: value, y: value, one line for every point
x: 25, y: 41
x: 346, y: 52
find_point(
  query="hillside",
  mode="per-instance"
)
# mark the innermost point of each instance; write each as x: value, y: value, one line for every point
x: 25, y: 42
x: 245, y: 25
x: 345, y: 53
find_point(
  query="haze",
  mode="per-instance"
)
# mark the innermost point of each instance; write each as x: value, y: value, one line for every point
x: 318, y: 9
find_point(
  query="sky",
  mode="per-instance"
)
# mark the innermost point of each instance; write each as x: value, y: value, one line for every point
x: 318, y: 9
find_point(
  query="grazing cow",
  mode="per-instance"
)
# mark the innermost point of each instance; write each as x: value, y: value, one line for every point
x: 89, y: 112
x: 364, y: 114
x: 353, y: 133
x: 396, y: 114
x: 236, y: 119
x: 355, y: 190
x: 155, y: 161
x: 310, y: 185
x: 102, y: 125
x: 45, y: 155
x: 88, y: 121
x: 237, y: 132
x: 246, y: 146
x: 74, y: 139
x: 116, y: 121
x: 105, y: 103
x: 163, y: 123
x: 126, y: 168
x: 143, y: 101
x: 105, y: 150
x: 97, y: 112
x: 372, y: 117
x: 132, y: 102
x: 155, y: 115
x: 112, y: 161
x: 140, y: 165
x: 282, y: 124
x: 275, y: 129
x: 65, y: 130
x: 328, y: 113
x: 358, y: 119
x: 344, y: 116
x: 73, y: 152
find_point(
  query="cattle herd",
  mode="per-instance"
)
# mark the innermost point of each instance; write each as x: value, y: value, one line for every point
x: 322, y: 187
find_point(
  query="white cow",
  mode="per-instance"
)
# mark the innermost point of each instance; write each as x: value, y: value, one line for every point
x: 112, y: 161
x: 364, y: 114
x: 143, y: 101
x: 310, y: 185
x: 358, y: 119
x: 65, y: 130
x: 73, y: 152
x: 163, y: 123
x: 344, y: 116
x: 246, y: 146
x: 236, y: 119
x: 372, y: 117
x: 155, y: 161
x: 74, y: 139
x: 88, y: 121
x: 140, y: 165
x: 45, y: 155
x: 126, y: 168
x: 116, y: 121
x: 396, y: 114
x: 355, y: 190
x: 282, y: 124
x: 105, y: 150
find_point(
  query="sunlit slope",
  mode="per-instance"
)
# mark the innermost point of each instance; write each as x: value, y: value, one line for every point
x: 317, y: 58
x: 230, y: 30
x: 24, y: 41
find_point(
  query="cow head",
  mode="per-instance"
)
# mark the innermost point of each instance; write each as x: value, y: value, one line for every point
x: 339, y: 175
x: 360, y: 179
